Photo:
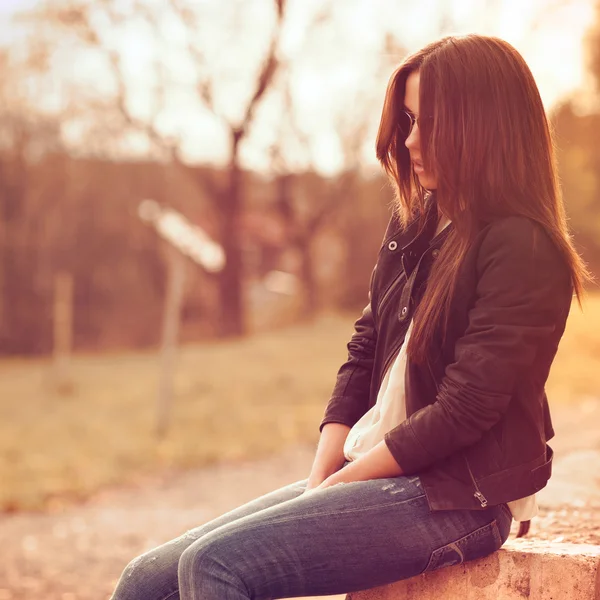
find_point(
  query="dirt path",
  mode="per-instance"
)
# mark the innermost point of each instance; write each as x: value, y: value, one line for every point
x: 79, y: 553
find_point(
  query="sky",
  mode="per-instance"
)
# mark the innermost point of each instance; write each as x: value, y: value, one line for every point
x: 339, y: 71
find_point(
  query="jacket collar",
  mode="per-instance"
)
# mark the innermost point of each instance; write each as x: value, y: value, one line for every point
x: 425, y: 239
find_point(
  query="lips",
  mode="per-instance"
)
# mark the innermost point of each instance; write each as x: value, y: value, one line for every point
x: 418, y: 166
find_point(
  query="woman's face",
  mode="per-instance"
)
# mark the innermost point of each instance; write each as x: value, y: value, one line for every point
x: 413, y: 142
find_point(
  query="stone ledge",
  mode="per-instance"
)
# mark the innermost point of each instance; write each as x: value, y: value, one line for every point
x: 520, y: 569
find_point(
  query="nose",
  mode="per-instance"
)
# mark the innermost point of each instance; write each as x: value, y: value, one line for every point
x: 412, y: 142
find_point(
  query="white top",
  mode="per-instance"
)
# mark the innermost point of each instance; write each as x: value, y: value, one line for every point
x: 390, y: 410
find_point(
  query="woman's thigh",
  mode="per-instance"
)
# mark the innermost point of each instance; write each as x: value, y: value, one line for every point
x: 153, y: 575
x: 345, y: 538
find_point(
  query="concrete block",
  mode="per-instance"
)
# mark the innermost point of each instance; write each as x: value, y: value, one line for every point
x: 520, y: 569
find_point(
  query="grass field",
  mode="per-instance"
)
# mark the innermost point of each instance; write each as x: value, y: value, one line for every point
x: 232, y: 400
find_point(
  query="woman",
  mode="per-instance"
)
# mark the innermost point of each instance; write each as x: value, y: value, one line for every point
x: 435, y: 435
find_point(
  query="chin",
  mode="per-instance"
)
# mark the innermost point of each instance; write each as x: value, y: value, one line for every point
x: 429, y: 183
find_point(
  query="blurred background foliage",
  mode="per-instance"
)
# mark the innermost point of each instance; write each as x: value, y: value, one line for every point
x: 107, y: 103
x: 76, y: 160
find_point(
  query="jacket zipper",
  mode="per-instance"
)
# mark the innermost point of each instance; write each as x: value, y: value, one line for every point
x: 478, y: 494
x: 391, y: 356
x: 482, y: 499
x: 388, y: 293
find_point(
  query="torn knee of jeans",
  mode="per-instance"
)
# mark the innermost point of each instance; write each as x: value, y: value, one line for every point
x: 133, y: 564
x: 188, y: 535
x: 136, y: 562
x: 392, y: 488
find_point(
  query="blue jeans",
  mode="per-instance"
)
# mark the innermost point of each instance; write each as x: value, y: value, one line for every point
x: 345, y: 538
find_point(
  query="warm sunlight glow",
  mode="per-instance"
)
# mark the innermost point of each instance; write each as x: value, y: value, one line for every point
x: 339, y: 72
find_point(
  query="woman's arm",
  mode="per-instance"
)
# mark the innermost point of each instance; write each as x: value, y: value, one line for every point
x: 348, y: 401
x: 523, y: 296
x: 377, y: 463
x: 330, y: 453
x: 350, y: 397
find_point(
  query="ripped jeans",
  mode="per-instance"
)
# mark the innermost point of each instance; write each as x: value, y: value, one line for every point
x: 344, y: 538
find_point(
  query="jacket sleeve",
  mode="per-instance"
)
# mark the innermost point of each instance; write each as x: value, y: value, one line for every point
x: 523, y: 295
x: 349, y: 400
x: 350, y: 397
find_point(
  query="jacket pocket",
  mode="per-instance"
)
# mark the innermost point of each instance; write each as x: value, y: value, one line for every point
x: 477, y: 544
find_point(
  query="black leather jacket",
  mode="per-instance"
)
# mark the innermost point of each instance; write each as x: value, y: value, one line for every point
x: 477, y: 414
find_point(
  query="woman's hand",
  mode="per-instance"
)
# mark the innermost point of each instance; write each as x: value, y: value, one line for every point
x: 341, y: 476
x: 320, y: 483
x: 331, y: 480
x: 312, y: 485
x: 377, y: 463
x: 327, y: 482
x: 330, y: 454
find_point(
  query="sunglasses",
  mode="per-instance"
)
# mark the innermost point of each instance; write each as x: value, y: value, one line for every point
x: 406, y: 122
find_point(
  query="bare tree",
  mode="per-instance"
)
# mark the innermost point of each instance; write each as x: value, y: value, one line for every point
x: 224, y: 195
x: 307, y: 214
x: 27, y: 137
x: 302, y: 222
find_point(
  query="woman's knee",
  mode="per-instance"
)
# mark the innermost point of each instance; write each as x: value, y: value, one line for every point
x: 209, y: 561
x: 131, y: 583
x: 152, y: 575
x: 196, y: 559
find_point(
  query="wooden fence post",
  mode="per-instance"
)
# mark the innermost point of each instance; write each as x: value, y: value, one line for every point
x: 170, y: 333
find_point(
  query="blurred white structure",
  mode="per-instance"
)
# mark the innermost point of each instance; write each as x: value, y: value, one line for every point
x: 189, y: 239
x: 184, y: 239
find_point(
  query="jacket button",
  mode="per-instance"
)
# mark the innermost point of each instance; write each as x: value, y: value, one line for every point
x: 435, y: 253
x: 392, y: 245
x: 404, y: 311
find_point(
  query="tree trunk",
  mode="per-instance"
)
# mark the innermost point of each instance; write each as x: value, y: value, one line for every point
x: 309, y: 281
x: 231, y: 279
x: 18, y: 303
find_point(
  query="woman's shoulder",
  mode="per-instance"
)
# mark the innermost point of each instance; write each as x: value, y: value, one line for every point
x: 526, y: 244
x: 518, y: 233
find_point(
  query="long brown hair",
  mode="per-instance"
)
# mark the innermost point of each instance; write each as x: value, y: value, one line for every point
x: 484, y: 134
